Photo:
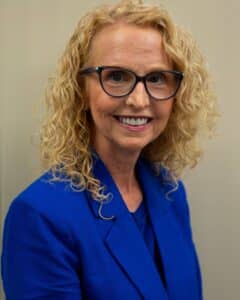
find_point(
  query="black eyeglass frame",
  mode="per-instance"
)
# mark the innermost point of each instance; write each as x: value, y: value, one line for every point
x: 179, y: 75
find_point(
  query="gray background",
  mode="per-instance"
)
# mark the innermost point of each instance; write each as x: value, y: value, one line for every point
x: 33, y: 35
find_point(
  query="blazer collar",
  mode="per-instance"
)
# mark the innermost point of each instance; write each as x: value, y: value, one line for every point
x: 125, y: 242
x: 122, y: 236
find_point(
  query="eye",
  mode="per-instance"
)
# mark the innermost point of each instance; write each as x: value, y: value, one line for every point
x: 117, y: 76
x: 157, y: 78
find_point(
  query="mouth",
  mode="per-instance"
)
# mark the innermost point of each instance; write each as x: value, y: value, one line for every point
x: 133, y: 121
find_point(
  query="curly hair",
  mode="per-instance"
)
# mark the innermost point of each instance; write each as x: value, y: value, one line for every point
x: 65, y: 134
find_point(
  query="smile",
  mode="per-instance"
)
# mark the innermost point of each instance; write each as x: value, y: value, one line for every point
x: 133, y: 121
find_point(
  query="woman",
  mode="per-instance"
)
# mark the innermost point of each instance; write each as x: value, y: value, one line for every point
x: 110, y: 219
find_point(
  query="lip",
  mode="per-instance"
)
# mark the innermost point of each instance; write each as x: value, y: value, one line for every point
x: 132, y: 128
x: 133, y: 116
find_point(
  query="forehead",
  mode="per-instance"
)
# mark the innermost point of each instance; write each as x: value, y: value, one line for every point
x: 127, y: 45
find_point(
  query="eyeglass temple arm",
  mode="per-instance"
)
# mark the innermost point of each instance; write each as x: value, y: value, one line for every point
x: 89, y: 70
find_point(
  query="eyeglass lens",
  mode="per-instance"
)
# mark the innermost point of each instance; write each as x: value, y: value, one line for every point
x: 119, y: 82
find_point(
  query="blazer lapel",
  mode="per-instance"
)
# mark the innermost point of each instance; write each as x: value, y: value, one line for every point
x: 175, y: 251
x: 124, y: 240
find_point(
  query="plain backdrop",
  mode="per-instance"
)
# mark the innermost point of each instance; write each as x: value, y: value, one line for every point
x: 33, y: 35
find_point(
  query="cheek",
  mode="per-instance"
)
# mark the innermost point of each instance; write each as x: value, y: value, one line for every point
x: 93, y: 91
x: 100, y: 109
x: 94, y: 99
x: 97, y: 113
x: 164, y: 110
x: 101, y: 105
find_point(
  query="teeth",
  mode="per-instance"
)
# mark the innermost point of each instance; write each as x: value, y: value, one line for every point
x: 133, y: 121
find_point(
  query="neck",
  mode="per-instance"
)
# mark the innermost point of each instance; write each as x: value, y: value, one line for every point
x: 121, y: 165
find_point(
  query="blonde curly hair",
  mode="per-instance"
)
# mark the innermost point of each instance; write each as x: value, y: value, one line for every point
x: 65, y: 134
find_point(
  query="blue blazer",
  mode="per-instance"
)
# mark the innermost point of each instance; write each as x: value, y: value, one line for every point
x: 55, y: 245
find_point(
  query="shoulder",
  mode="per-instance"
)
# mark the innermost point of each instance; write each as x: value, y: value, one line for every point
x: 180, y: 207
x: 174, y: 191
x: 178, y: 199
x: 176, y: 195
x: 55, y: 201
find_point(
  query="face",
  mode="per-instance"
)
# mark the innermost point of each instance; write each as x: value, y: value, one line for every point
x: 139, y: 49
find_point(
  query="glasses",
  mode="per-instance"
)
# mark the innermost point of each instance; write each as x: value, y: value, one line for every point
x: 120, y: 82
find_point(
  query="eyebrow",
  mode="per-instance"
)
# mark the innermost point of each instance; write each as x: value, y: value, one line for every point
x: 150, y: 70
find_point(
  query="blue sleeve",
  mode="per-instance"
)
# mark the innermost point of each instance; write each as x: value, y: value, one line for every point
x: 37, y: 259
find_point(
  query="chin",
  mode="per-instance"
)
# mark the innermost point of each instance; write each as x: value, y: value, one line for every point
x: 133, y: 147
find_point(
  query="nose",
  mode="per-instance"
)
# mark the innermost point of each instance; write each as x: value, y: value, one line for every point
x: 139, y: 97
